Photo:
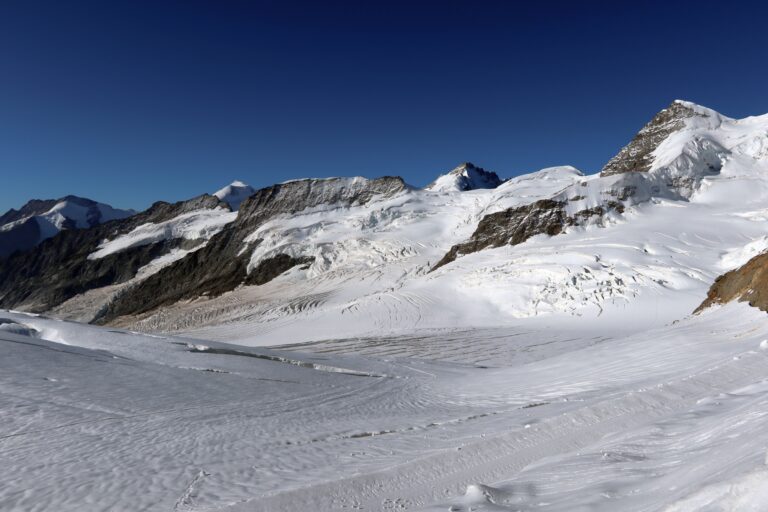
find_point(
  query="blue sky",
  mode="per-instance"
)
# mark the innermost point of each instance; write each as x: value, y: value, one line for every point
x: 131, y: 102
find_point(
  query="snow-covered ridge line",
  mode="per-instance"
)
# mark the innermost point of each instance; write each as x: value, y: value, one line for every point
x: 195, y: 225
x: 234, y: 194
x: 466, y: 176
x: 23, y: 229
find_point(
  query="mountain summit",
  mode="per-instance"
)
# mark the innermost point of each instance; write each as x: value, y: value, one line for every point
x: 639, y: 154
x: 465, y: 177
x: 234, y: 194
x: 38, y: 220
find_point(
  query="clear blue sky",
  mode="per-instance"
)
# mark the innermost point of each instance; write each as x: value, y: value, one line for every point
x: 130, y: 102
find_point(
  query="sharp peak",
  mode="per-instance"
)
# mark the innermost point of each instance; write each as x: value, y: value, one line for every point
x: 467, y: 165
x: 697, y: 109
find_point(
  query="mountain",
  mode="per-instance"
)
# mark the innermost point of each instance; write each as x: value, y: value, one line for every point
x: 560, y: 341
x: 640, y: 242
x: 37, y: 220
x: 467, y: 176
x: 234, y: 194
x: 96, y: 263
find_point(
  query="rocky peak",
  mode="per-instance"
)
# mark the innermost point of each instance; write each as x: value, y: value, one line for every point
x: 32, y: 207
x: 294, y: 196
x: 466, y: 176
x: 637, y: 156
x: 222, y: 264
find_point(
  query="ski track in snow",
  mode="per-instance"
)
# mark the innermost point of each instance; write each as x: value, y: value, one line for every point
x: 527, y: 418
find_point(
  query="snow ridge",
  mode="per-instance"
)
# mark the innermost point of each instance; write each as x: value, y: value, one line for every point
x: 234, y: 194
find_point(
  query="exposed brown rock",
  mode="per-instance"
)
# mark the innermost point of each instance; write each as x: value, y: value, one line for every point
x: 514, y: 226
x: 511, y: 227
x: 748, y: 283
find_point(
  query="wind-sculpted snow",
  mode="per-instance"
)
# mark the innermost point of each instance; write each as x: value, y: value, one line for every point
x: 531, y: 416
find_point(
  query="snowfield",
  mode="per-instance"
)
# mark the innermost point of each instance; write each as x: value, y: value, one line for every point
x: 531, y: 417
x: 564, y: 372
x: 196, y: 225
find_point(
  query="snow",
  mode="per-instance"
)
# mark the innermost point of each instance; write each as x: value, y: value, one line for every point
x: 670, y: 417
x: 195, y: 225
x: 565, y: 373
x: 234, y: 194
x: 653, y: 263
x: 464, y: 177
x: 70, y: 211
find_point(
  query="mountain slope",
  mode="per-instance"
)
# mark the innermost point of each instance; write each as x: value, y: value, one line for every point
x: 78, y: 260
x: 631, y: 248
x: 224, y: 263
x: 636, y: 244
x: 467, y: 176
x: 38, y: 220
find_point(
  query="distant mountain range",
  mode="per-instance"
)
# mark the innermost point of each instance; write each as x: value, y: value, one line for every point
x: 642, y: 241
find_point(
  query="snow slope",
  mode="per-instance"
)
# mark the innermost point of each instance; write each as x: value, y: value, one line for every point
x: 194, y: 225
x: 39, y: 220
x: 113, y: 420
x: 648, y: 257
x: 234, y: 194
x: 564, y: 373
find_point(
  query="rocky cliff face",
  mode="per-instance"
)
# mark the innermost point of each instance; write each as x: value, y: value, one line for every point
x: 465, y: 177
x: 511, y: 227
x: 514, y: 226
x: 222, y: 265
x: 748, y: 283
x: 59, y: 268
x: 637, y: 156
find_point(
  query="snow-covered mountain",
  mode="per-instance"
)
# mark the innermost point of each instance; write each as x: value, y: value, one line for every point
x: 641, y: 241
x: 82, y: 269
x: 38, y: 220
x: 467, y: 176
x: 530, y: 344
x: 234, y: 194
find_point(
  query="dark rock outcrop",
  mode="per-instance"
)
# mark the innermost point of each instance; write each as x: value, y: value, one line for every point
x: 58, y: 268
x: 270, y: 268
x: 515, y: 225
x: 511, y: 227
x: 222, y: 264
x: 637, y: 155
x: 748, y: 283
x: 22, y: 237
x: 465, y: 177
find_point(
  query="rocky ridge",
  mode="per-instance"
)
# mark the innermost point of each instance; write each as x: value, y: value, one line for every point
x: 222, y: 265
x: 37, y: 220
x: 59, y: 267
x: 466, y: 176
